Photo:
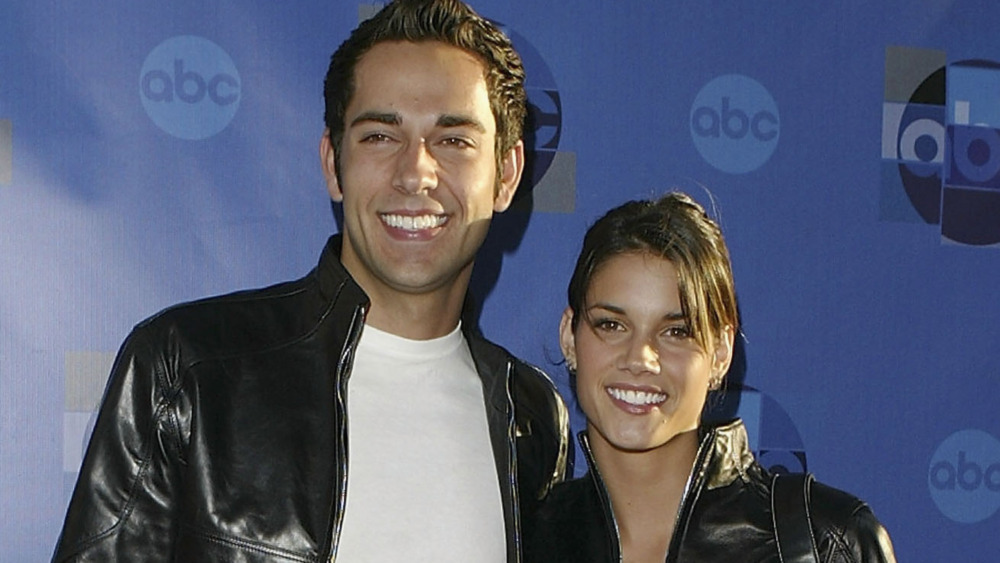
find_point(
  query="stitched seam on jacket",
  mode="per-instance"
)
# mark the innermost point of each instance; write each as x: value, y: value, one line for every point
x: 774, y: 522
x: 807, y: 496
x: 168, y: 400
x: 126, y: 511
x: 840, y: 545
x: 248, y: 545
x: 327, y: 310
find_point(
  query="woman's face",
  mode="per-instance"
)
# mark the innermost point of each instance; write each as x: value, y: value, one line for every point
x: 641, y: 377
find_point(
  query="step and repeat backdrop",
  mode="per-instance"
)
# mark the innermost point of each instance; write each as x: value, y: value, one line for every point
x: 155, y: 152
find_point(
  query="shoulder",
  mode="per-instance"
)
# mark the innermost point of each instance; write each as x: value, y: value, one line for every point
x: 231, y: 322
x: 257, y: 319
x: 540, y: 409
x: 529, y: 385
x: 544, y: 448
x: 250, y: 322
x: 846, y: 525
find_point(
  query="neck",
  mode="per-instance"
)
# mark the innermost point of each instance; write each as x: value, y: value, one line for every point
x: 417, y: 316
x: 646, y: 490
x: 405, y: 308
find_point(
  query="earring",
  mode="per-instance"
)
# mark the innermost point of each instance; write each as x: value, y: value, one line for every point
x: 571, y: 366
x: 715, y: 383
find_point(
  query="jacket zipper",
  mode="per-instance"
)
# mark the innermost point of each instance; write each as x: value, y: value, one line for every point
x: 344, y: 365
x: 697, y: 470
x: 609, y: 514
x: 512, y: 464
x: 687, y: 502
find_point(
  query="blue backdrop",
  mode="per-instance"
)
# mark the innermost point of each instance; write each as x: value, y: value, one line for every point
x: 156, y: 152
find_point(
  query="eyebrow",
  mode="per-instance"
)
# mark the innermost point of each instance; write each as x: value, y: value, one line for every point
x: 445, y: 120
x: 385, y: 118
x: 672, y: 316
x: 448, y: 120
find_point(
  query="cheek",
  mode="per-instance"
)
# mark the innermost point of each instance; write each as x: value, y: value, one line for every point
x: 591, y: 363
x: 692, y: 378
x: 586, y: 386
x: 477, y: 178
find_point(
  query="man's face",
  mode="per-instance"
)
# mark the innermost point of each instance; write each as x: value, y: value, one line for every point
x: 418, y: 175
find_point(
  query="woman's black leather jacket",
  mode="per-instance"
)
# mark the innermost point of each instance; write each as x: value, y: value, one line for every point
x: 221, y: 436
x: 725, y: 515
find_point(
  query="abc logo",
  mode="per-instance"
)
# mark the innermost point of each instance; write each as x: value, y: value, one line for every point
x: 941, y: 145
x: 973, y: 123
x: 964, y: 476
x: 734, y: 123
x: 975, y: 156
x: 189, y: 87
x: 771, y: 433
x: 551, y: 183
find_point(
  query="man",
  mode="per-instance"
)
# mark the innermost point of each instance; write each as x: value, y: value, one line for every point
x: 350, y: 415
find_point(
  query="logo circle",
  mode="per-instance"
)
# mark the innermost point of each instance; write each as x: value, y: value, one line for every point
x: 189, y: 87
x: 964, y: 476
x: 734, y: 123
x: 771, y: 434
x: 543, y: 129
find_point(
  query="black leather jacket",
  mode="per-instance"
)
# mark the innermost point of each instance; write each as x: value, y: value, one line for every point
x: 725, y: 515
x: 221, y: 436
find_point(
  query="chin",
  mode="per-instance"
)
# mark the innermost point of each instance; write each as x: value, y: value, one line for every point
x: 634, y: 442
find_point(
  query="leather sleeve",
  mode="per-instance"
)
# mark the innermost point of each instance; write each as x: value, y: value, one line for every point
x: 848, y: 531
x: 871, y: 543
x: 123, y: 506
x: 545, y: 416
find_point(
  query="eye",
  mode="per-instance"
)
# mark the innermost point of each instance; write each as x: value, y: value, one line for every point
x: 457, y: 142
x: 374, y: 138
x: 680, y: 332
x: 607, y: 325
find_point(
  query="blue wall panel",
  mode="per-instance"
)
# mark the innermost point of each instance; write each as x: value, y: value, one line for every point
x: 850, y: 150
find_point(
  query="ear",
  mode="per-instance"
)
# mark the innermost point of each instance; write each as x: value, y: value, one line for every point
x: 510, y: 177
x: 567, y: 340
x: 722, y: 357
x: 328, y: 162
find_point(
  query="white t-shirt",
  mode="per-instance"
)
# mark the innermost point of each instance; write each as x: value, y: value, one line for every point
x: 422, y: 482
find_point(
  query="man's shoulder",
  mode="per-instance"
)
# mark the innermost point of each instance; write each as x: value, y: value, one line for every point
x: 239, y: 322
x: 256, y: 318
x: 523, y: 373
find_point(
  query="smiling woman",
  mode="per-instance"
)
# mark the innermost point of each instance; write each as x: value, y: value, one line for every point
x: 648, y: 334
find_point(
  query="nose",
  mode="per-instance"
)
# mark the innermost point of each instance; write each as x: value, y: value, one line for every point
x: 416, y: 169
x: 641, y: 357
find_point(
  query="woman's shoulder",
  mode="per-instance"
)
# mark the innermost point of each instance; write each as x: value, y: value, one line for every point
x: 843, y: 523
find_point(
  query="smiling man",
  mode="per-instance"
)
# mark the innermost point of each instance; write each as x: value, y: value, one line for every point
x: 354, y: 414
x: 417, y: 171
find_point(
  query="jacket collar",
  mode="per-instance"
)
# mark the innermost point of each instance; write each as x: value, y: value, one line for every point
x: 335, y: 281
x: 333, y: 277
x: 730, y: 457
x: 723, y: 454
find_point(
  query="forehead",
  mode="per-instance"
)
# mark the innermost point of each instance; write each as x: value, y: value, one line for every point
x: 427, y: 76
x: 636, y: 278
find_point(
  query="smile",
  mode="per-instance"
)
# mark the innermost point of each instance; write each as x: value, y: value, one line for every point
x: 413, y: 222
x: 637, y: 398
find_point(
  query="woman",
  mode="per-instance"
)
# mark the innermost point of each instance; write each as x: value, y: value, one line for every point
x: 648, y: 333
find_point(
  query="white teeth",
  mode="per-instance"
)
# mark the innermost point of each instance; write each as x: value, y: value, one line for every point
x: 414, y: 223
x: 633, y: 397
